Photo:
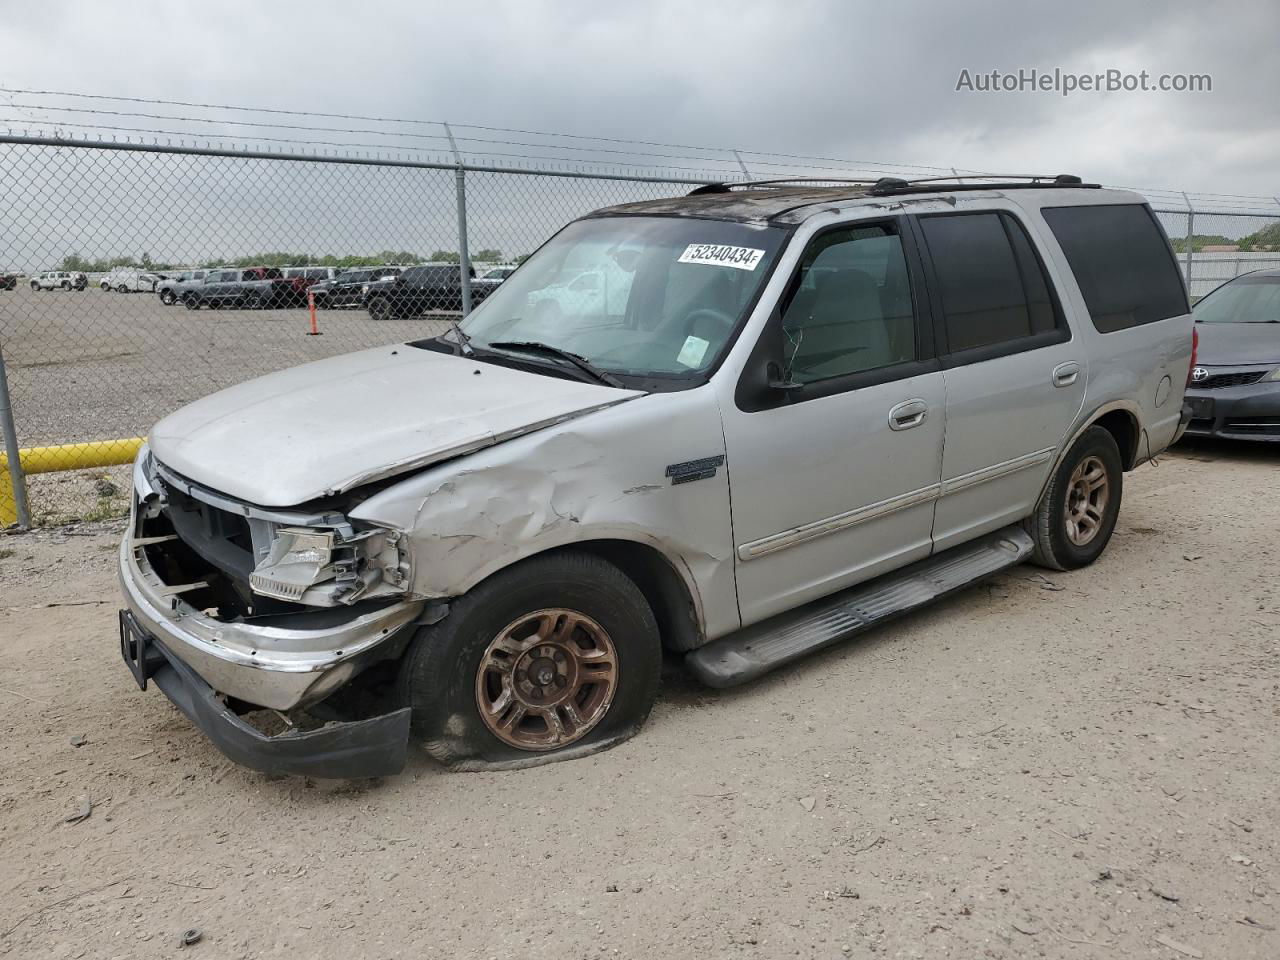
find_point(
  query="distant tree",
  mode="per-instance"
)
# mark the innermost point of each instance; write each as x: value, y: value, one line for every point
x: 487, y: 255
x: 445, y: 256
x: 1268, y: 238
x: 1199, y: 241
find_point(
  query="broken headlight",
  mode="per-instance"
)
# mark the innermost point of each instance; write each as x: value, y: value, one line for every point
x: 299, y: 559
x: 325, y: 567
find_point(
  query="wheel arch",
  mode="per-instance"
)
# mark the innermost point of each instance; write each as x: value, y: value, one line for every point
x: 1122, y: 419
x: 666, y: 584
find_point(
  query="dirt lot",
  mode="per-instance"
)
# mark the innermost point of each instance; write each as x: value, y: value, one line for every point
x: 1071, y: 765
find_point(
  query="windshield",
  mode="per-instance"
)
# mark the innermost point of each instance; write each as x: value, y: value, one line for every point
x: 1244, y: 301
x: 639, y: 296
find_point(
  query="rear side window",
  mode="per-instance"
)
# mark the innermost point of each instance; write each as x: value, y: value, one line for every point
x: 1122, y: 262
x: 991, y: 285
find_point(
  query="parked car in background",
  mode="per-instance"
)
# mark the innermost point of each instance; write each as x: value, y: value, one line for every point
x: 9, y: 281
x: 816, y: 408
x: 171, y: 287
x: 1235, y: 386
x: 249, y: 288
x: 491, y: 278
x: 416, y: 290
x: 347, y: 288
x: 129, y: 280
x: 599, y: 292
x: 59, y: 280
x: 301, y: 279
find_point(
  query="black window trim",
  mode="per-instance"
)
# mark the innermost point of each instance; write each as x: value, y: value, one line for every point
x: 1061, y: 333
x: 753, y: 395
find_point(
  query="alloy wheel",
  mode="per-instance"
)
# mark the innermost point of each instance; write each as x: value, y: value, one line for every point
x: 546, y: 679
x: 1088, y: 491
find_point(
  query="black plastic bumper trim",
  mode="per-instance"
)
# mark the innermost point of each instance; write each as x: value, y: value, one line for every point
x: 358, y: 749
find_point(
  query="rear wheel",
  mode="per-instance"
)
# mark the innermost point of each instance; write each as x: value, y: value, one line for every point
x: 1077, y: 514
x: 66, y: 284
x: 122, y: 289
x: 552, y: 658
x: 35, y: 286
x: 252, y: 301
x: 167, y: 297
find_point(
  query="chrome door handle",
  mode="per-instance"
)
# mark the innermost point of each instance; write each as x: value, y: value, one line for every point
x: 1065, y: 374
x: 908, y: 414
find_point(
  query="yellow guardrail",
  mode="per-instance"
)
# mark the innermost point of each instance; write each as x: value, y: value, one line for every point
x: 66, y: 456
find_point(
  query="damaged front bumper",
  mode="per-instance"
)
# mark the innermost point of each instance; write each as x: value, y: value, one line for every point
x: 200, y: 662
x: 374, y: 747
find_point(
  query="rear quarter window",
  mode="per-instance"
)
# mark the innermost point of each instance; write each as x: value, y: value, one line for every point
x: 1122, y: 263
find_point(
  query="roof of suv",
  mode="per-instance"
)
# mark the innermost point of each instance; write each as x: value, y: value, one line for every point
x: 794, y: 204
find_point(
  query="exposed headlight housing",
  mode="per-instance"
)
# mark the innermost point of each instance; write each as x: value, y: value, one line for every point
x: 299, y: 559
x: 324, y: 567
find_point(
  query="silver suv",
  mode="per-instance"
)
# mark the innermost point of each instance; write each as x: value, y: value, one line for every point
x: 785, y: 413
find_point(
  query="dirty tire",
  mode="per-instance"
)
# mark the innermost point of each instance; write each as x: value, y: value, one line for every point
x: 438, y: 676
x: 1048, y: 525
x: 380, y: 309
x: 167, y: 297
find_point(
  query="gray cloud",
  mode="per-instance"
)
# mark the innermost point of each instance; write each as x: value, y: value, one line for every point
x: 859, y: 81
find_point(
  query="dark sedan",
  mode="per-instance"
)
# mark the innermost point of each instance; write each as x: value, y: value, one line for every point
x: 1235, y: 384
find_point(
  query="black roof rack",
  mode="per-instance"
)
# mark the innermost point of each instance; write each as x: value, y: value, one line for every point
x: 730, y: 185
x: 887, y: 186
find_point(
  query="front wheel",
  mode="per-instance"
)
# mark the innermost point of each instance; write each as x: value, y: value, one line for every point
x: 553, y: 658
x: 66, y: 285
x: 35, y: 287
x: 380, y: 309
x: 167, y: 297
x: 1077, y: 514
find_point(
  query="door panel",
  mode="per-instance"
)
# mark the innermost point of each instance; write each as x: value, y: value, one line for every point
x: 1014, y: 375
x: 1005, y: 420
x: 825, y: 493
x: 834, y: 469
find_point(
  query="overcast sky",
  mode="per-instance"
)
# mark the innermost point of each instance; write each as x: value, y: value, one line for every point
x: 872, y: 83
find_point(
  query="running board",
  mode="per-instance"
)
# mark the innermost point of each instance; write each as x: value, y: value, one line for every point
x: 761, y: 647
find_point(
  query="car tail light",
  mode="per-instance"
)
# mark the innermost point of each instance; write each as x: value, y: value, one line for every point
x: 1195, y: 348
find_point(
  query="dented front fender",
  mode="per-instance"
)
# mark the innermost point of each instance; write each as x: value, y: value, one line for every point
x: 603, y: 476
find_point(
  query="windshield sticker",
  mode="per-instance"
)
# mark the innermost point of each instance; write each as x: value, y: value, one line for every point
x: 718, y: 255
x: 694, y: 349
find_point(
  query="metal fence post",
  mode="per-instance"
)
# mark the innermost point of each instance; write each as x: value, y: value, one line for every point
x: 464, y: 256
x: 1191, y: 222
x: 742, y: 166
x: 20, y: 511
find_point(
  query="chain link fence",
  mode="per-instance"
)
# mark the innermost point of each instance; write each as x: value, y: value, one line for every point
x: 135, y: 279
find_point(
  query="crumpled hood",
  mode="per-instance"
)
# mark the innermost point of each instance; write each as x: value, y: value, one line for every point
x: 328, y: 426
x: 1238, y: 344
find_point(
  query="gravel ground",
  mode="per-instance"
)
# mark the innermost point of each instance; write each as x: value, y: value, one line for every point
x: 88, y: 365
x: 1051, y: 765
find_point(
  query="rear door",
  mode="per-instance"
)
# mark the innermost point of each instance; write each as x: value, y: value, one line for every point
x: 834, y: 468
x: 1014, y: 374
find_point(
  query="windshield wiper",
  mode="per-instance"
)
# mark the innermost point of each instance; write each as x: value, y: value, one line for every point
x: 582, y: 363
